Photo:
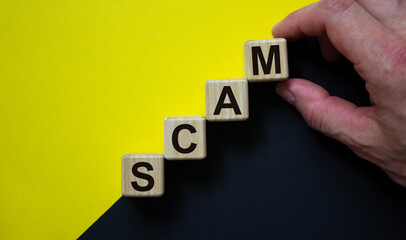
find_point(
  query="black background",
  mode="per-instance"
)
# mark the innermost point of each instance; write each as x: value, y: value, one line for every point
x: 271, y: 177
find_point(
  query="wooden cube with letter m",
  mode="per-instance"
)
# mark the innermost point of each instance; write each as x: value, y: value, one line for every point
x: 266, y: 60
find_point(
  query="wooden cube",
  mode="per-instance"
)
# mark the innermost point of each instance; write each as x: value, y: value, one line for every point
x: 185, y: 138
x: 142, y: 175
x: 266, y: 60
x: 227, y: 100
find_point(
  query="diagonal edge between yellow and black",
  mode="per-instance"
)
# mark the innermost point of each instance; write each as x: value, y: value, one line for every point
x: 270, y: 177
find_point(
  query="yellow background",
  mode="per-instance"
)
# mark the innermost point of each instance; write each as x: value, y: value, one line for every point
x: 84, y: 82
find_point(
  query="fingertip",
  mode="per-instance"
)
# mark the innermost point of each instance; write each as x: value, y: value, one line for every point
x: 281, y: 84
x: 284, y: 92
x: 305, y: 89
x: 275, y: 30
x: 297, y: 91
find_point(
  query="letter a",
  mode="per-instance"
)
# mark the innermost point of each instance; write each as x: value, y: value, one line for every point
x: 227, y: 91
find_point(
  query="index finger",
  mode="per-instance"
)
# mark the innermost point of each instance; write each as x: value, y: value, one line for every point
x: 350, y: 28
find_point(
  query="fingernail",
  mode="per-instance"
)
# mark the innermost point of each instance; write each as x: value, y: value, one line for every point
x: 286, y: 94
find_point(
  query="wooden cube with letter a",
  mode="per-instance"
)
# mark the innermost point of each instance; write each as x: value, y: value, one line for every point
x: 185, y: 138
x: 266, y: 60
x: 227, y: 100
x: 142, y: 175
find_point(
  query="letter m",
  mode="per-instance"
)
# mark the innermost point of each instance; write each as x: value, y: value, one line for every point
x: 266, y: 65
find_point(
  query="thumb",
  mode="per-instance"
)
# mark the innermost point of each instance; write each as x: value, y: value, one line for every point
x: 330, y: 115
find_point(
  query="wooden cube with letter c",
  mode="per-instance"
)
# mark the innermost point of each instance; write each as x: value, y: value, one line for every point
x: 185, y: 138
x: 227, y: 100
x: 142, y: 175
x: 266, y: 60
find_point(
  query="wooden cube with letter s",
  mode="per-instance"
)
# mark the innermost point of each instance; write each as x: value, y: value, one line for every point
x: 142, y: 175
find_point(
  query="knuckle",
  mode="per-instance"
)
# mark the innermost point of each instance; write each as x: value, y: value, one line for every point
x: 394, y: 52
x: 360, y: 146
x: 314, y: 119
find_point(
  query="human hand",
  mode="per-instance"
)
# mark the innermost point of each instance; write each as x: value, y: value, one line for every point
x: 372, y: 35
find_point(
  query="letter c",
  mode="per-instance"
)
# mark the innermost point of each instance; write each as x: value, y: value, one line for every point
x: 175, y: 139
